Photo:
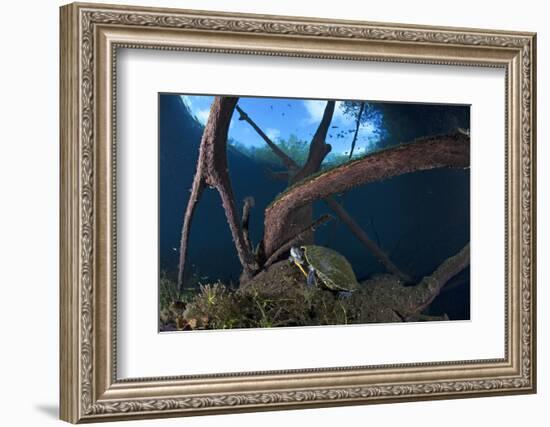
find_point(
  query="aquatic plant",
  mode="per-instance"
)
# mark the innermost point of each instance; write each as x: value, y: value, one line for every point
x: 257, y: 307
x: 172, y: 301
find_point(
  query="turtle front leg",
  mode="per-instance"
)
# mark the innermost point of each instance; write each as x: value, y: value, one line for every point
x: 311, y: 279
x: 344, y: 294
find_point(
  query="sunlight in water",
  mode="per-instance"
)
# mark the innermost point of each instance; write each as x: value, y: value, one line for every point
x: 291, y: 124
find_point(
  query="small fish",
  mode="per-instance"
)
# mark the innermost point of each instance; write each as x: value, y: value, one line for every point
x: 174, y: 249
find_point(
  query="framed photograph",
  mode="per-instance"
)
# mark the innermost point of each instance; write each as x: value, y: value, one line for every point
x: 268, y: 212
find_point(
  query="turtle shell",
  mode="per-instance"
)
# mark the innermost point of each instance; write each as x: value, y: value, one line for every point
x: 333, y: 270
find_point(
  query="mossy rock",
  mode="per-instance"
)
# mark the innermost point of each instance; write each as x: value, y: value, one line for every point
x: 279, y: 296
x: 279, y: 278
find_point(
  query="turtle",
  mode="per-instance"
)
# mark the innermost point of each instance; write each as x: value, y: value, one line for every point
x: 325, y: 267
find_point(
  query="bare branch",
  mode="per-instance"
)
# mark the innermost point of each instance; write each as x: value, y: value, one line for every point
x: 248, y: 205
x: 212, y: 171
x: 357, y: 125
x: 318, y: 149
x: 287, y: 161
x: 385, y: 298
x: 428, y: 153
x: 431, y: 285
x: 278, y: 175
x: 295, y: 240
x: 365, y: 239
x: 196, y: 191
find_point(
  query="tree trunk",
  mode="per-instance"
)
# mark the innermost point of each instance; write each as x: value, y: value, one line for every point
x: 212, y: 171
x: 302, y: 216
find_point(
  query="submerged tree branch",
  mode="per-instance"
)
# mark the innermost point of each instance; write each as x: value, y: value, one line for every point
x: 293, y: 241
x: 247, y: 206
x: 212, y: 171
x: 428, y: 153
x: 365, y: 239
x: 431, y: 286
x: 287, y: 161
x: 318, y: 149
x: 278, y: 175
x: 302, y: 215
x: 357, y: 125
x: 196, y: 191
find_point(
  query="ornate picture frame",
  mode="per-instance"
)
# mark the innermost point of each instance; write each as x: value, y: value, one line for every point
x: 91, y: 34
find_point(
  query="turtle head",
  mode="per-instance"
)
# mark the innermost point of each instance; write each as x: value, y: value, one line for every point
x: 297, y: 257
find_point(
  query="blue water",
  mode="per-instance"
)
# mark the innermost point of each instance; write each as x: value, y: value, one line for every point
x: 418, y: 219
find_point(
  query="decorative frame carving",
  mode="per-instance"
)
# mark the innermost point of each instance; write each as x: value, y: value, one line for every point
x: 90, y: 36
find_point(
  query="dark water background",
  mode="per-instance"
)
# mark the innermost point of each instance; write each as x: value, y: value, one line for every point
x: 418, y: 219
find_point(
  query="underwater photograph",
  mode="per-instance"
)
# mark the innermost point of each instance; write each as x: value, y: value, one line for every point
x: 311, y: 212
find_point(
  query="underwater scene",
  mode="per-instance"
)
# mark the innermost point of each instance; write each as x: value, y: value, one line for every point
x: 308, y: 212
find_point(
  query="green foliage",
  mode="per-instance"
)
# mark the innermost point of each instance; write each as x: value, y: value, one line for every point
x: 398, y: 123
x: 371, y: 113
x: 294, y: 147
x: 218, y: 307
x: 171, y: 299
x: 352, y: 109
x: 168, y: 291
x: 336, y: 159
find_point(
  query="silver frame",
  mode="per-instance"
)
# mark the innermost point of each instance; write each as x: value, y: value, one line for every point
x: 90, y: 37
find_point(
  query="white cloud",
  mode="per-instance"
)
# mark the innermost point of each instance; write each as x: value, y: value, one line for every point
x: 187, y: 101
x: 366, y: 138
x: 316, y: 109
x: 202, y: 115
x: 273, y: 133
